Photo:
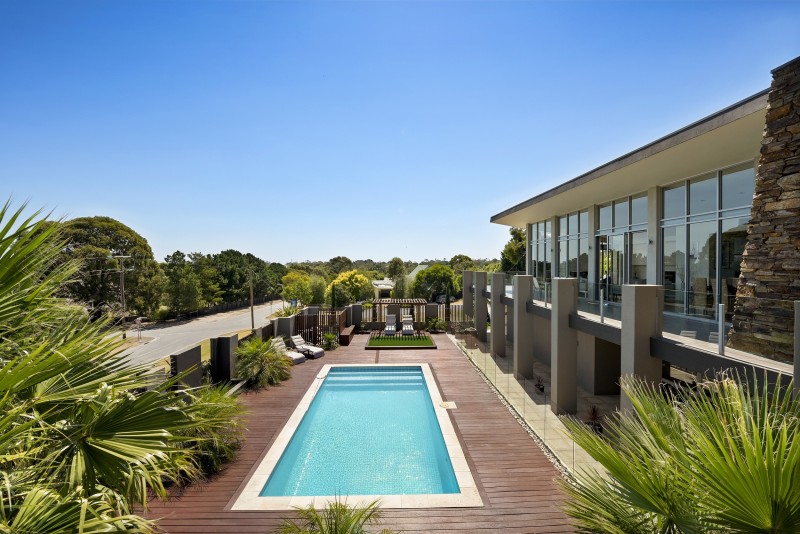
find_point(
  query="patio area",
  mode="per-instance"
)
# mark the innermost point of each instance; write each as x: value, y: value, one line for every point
x: 516, y: 481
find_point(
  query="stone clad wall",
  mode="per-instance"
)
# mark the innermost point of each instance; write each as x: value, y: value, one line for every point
x: 771, y: 259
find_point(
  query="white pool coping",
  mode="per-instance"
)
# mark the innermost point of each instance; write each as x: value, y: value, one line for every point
x: 468, y: 496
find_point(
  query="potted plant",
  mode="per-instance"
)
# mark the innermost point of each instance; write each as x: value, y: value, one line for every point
x: 538, y: 384
x: 594, y: 418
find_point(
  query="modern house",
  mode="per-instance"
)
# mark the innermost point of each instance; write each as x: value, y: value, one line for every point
x: 383, y: 288
x: 710, y: 213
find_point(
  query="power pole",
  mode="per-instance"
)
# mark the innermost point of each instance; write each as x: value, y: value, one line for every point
x: 252, y: 315
x: 122, y: 288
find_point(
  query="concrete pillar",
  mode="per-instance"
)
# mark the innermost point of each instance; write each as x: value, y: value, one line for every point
x: 431, y: 311
x: 523, y: 326
x: 223, y: 363
x: 358, y: 315
x: 498, y: 339
x: 563, y: 348
x: 468, y: 278
x: 653, y: 235
x: 480, y: 304
x: 642, y: 312
x: 509, y: 324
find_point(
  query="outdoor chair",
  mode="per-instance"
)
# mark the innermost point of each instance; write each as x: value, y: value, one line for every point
x: 309, y: 350
x: 391, y: 325
x: 280, y: 344
x: 408, y: 325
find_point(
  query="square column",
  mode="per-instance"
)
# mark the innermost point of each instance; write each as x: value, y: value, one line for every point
x: 523, y: 326
x: 498, y: 339
x: 480, y: 304
x: 468, y: 278
x: 563, y: 348
x: 642, y: 312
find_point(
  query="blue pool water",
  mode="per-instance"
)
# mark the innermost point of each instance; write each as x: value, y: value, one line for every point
x: 368, y: 431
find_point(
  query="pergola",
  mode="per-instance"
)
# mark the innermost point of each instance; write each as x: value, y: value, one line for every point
x: 399, y: 307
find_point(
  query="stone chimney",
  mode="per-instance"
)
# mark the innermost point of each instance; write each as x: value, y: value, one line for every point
x: 763, y: 316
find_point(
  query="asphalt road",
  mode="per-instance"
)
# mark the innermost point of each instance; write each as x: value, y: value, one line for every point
x: 169, y: 339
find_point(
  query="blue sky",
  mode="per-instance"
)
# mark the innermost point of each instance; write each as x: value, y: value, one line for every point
x: 306, y: 130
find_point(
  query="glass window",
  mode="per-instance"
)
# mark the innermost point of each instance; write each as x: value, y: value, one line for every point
x: 733, y: 239
x: 583, y: 222
x: 572, y: 266
x: 639, y: 210
x: 674, y: 201
x: 702, y: 267
x: 562, y: 259
x: 605, y: 216
x: 703, y: 195
x: 621, y: 213
x: 540, y: 230
x: 573, y: 223
x: 674, y: 249
x: 738, y: 187
x: 562, y: 226
x: 548, y: 229
x: 583, y: 259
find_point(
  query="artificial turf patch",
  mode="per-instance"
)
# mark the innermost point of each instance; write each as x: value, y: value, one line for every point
x: 400, y: 341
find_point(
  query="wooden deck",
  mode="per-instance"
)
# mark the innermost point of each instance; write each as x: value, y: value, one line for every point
x: 516, y: 481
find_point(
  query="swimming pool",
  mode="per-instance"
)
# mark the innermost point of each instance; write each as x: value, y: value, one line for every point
x: 369, y: 431
x: 372, y: 431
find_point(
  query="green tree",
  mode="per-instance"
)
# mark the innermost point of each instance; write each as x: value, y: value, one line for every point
x: 396, y: 271
x: 183, y: 288
x: 340, y: 264
x: 93, y: 241
x: 297, y: 286
x: 723, y: 459
x: 79, y: 446
x: 273, y: 275
x: 437, y: 279
x: 207, y: 276
x: 317, y: 290
x: 513, y: 256
x: 348, y: 287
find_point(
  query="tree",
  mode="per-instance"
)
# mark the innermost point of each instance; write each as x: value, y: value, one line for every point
x: 273, y: 275
x: 94, y: 241
x: 437, y: 279
x: 396, y: 270
x: 203, y: 267
x: 340, y: 264
x: 79, y: 443
x: 725, y: 458
x: 317, y: 290
x: 297, y: 286
x: 513, y: 256
x: 348, y: 287
x: 183, y: 288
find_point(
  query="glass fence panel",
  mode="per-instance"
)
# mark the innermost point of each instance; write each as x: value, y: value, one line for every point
x: 593, y: 299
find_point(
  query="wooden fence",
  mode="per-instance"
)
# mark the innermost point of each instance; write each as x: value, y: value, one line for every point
x: 313, y: 326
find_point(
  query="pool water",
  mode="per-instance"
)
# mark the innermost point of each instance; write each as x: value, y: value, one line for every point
x: 368, y: 431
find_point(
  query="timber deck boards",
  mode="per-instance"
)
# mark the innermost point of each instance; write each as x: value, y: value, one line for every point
x: 518, y: 484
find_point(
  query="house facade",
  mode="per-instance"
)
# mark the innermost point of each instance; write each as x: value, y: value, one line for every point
x: 680, y: 213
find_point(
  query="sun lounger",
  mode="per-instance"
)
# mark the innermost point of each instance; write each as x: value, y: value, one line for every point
x: 296, y: 357
x: 309, y: 350
x: 391, y: 325
x: 408, y: 325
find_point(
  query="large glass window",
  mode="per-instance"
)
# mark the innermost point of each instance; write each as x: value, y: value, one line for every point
x: 573, y: 248
x: 639, y: 210
x: 674, y: 201
x: 738, y: 186
x: 605, y: 216
x: 541, y: 256
x: 702, y: 249
x: 703, y: 195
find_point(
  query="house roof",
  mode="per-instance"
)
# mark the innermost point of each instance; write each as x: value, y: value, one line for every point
x: 729, y: 136
x: 386, y: 283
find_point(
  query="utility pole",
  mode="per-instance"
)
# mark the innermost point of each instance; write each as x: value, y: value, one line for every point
x: 121, y: 259
x: 252, y: 315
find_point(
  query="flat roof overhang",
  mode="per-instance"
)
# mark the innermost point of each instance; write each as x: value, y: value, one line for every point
x: 730, y: 136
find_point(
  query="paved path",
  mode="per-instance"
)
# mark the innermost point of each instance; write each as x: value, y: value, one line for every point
x: 168, y: 339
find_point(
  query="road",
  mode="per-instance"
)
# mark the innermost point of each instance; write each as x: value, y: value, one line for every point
x: 169, y: 339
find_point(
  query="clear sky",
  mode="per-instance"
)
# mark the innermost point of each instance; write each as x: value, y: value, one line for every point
x: 305, y: 130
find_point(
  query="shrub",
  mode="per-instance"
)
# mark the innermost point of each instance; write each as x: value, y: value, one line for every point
x: 260, y: 363
x: 337, y: 518
x: 287, y: 311
x: 434, y: 323
x: 219, y: 431
x: 329, y: 341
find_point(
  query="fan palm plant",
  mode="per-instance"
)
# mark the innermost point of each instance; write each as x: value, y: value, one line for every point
x: 260, y: 363
x: 724, y: 460
x: 337, y: 518
x: 75, y: 440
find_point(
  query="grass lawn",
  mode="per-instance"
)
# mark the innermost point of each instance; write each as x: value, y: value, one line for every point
x: 400, y: 341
